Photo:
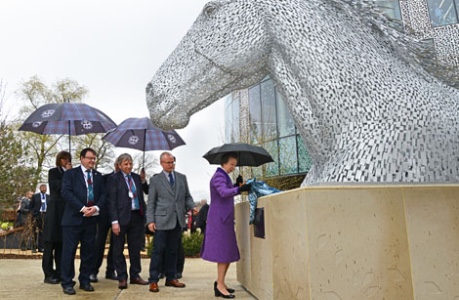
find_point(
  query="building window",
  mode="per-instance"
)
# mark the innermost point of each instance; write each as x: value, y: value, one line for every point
x: 443, y: 12
x: 273, y: 128
x: 232, y: 132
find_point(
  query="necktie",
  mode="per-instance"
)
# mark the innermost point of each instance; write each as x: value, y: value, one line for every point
x: 134, y: 191
x: 171, y: 179
x: 43, y: 203
x: 90, y: 189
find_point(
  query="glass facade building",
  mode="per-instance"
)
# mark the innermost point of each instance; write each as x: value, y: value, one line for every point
x: 269, y: 125
x: 258, y: 115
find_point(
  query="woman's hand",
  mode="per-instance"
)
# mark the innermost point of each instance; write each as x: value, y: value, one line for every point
x: 245, y: 188
x: 239, y: 180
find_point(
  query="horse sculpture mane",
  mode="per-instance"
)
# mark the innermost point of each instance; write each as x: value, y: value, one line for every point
x: 364, y: 107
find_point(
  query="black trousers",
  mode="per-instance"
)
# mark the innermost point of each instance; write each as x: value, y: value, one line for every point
x: 84, y: 234
x: 38, y: 230
x: 180, y: 258
x: 52, y: 255
x: 165, y: 239
x: 134, y: 232
x: 103, y: 227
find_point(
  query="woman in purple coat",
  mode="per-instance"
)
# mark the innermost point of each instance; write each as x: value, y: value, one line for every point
x: 219, y: 243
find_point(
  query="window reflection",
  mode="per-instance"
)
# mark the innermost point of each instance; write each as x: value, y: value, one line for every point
x: 272, y: 127
x: 232, y: 119
x: 442, y: 12
x: 288, y: 156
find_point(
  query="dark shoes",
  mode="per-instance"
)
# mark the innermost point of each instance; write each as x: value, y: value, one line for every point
x: 154, y: 287
x: 220, y: 294
x: 93, y: 278
x: 139, y: 280
x: 228, y: 289
x: 110, y: 275
x: 123, y: 284
x: 51, y: 280
x: 69, y: 290
x: 87, y: 287
x: 41, y: 250
x: 175, y: 283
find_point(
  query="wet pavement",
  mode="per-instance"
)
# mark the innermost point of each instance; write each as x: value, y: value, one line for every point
x: 23, y: 279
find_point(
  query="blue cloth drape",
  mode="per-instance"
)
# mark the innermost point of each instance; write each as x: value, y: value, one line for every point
x: 259, y: 189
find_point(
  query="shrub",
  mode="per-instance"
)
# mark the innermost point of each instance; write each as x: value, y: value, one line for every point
x: 191, y: 244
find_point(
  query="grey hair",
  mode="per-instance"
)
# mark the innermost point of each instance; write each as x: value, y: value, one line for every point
x: 123, y: 157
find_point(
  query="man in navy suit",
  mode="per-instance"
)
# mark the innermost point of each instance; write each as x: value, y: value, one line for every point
x: 38, y: 208
x: 127, y: 214
x: 83, y: 191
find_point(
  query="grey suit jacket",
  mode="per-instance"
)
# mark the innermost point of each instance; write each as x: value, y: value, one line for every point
x: 165, y: 204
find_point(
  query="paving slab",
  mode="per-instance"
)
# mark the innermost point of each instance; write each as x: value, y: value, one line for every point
x: 23, y: 279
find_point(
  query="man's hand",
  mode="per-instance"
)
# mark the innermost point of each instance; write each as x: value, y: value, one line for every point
x: 116, y: 229
x: 142, y: 175
x: 89, y: 211
x: 152, y: 227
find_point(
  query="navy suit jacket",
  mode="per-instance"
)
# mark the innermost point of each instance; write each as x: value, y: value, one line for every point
x: 74, y: 192
x: 118, y: 198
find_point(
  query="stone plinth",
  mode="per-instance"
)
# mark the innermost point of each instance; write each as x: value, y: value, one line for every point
x: 353, y: 242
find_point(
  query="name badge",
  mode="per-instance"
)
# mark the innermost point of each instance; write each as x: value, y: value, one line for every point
x: 131, y: 195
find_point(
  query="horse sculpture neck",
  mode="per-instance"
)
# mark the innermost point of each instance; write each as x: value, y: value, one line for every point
x: 364, y: 113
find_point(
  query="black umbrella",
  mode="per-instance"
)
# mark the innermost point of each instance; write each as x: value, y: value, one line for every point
x: 141, y: 134
x: 248, y: 155
x: 67, y: 118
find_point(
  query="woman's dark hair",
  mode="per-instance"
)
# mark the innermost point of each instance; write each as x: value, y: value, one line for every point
x: 61, y: 155
x: 227, y: 156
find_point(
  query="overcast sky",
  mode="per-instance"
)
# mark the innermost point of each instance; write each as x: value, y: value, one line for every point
x: 113, y: 48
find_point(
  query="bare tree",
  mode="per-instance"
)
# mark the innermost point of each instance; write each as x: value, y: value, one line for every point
x: 15, y: 170
x: 36, y: 93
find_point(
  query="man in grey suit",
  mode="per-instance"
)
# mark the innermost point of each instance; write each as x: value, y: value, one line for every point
x: 168, y: 200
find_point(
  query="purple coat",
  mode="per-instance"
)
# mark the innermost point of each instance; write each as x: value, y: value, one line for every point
x: 220, y: 243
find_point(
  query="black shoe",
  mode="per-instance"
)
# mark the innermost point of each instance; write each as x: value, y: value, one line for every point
x: 93, y: 278
x: 228, y: 289
x: 87, y: 287
x: 51, y: 280
x: 69, y: 290
x: 220, y: 294
x: 41, y: 250
x: 110, y: 275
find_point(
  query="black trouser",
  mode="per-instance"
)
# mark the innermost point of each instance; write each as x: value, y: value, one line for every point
x: 165, y: 240
x: 84, y: 234
x: 38, y: 230
x: 52, y: 251
x: 134, y: 231
x: 103, y: 227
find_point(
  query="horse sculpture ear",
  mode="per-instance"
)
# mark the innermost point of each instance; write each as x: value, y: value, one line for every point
x: 209, y: 8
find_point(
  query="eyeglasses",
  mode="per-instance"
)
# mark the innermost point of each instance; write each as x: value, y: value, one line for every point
x: 169, y: 162
x: 90, y: 158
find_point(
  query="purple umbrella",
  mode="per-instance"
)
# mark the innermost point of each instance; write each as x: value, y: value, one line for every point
x: 67, y: 118
x: 141, y: 134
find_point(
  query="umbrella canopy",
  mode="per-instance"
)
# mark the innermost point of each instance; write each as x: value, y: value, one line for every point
x: 248, y: 155
x: 67, y: 118
x: 141, y: 134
